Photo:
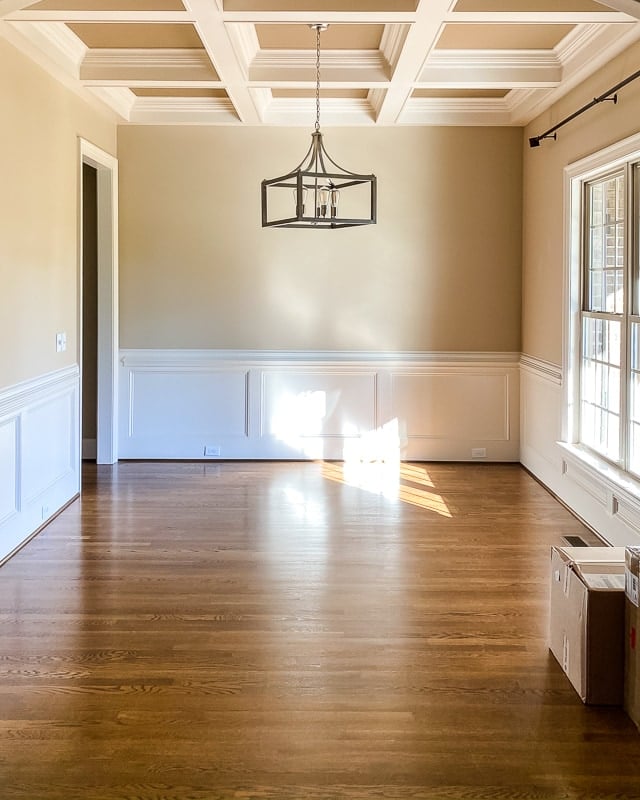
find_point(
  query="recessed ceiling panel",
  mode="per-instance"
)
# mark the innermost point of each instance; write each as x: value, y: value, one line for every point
x: 457, y: 62
x: 359, y: 6
x: 108, y: 5
x: 302, y: 37
x: 354, y: 94
x: 134, y: 36
x: 463, y: 36
x: 530, y: 5
x: 460, y: 93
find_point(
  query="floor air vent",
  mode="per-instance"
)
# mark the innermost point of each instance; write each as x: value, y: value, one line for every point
x: 575, y: 541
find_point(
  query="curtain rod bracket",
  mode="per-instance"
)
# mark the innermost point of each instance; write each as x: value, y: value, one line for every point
x: 534, y: 141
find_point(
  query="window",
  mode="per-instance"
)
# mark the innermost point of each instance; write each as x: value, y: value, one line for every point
x: 603, y: 315
x: 605, y: 353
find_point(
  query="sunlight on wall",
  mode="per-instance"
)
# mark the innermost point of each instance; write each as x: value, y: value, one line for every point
x: 298, y: 419
x: 382, y: 444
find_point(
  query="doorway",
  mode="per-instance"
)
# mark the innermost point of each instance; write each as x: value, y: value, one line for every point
x: 89, y: 368
x: 98, y: 306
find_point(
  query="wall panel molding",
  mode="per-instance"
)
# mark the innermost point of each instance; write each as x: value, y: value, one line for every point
x: 604, y: 498
x: 39, y: 453
x: 310, y: 405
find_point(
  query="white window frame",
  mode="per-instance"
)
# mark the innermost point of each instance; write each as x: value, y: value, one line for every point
x: 576, y: 175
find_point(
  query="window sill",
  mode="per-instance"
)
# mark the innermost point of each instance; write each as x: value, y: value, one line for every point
x: 621, y: 485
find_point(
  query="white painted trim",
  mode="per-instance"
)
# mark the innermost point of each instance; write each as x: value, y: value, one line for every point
x: 107, y: 169
x: 39, y: 456
x: 543, y: 369
x: 392, y: 42
x: 135, y: 58
x: 168, y: 357
x: 575, y: 175
x: 16, y: 397
x: 318, y: 404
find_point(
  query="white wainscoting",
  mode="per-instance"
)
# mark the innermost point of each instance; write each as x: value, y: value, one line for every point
x: 39, y: 458
x: 265, y: 405
x: 604, y: 499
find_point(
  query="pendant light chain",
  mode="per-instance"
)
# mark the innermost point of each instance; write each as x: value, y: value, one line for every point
x: 318, y: 28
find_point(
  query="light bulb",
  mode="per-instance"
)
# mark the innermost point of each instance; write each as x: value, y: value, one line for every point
x: 335, y: 196
x: 323, y: 200
x: 304, y: 198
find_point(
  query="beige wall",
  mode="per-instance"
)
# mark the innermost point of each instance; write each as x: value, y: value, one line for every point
x: 543, y: 216
x: 440, y: 271
x: 41, y: 122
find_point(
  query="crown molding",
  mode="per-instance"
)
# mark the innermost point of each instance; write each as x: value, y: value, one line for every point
x: 497, y: 68
x: 456, y: 111
x: 183, y: 110
x: 392, y: 42
x: 330, y: 59
x: 119, y: 98
x: 56, y: 41
x: 338, y: 111
x: 246, y: 46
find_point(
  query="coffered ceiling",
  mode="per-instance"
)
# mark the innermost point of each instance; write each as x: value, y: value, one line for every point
x: 384, y: 62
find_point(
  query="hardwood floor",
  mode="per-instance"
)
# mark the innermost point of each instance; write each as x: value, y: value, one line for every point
x: 286, y: 631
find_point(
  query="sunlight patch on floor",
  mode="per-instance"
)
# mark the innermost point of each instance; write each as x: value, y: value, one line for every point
x: 394, y: 480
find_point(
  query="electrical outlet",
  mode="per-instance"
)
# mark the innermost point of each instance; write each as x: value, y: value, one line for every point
x: 211, y: 450
x: 61, y: 342
x: 478, y: 452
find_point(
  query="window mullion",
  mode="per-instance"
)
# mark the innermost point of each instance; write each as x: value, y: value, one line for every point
x: 629, y: 302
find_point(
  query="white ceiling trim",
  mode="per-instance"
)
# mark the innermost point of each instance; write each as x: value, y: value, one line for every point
x: 392, y: 43
x: 183, y: 110
x: 335, y: 112
x: 597, y: 47
x: 330, y: 17
x: 119, y: 98
x: 146, y: 67
x: 57, y: 42
x: 212, y: 31
x: 101, y: 16
x: 457, y: 112
x: 405, y: 60
x: 491, y: 69
x: 538, y: 17
x: 419, y: 41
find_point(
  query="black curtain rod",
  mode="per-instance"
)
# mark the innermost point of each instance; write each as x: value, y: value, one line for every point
x: 610, y: 94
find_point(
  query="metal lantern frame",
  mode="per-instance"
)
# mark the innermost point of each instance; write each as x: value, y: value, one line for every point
x: 315, y: 184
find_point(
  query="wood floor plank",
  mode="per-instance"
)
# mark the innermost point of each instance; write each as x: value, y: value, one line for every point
x: 294, y: 631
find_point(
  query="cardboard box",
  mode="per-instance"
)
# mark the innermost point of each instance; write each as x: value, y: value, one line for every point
x: 632, y: 629
x: 587, y: 620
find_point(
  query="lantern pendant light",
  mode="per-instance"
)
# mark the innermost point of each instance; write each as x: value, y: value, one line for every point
x: 318, y: 193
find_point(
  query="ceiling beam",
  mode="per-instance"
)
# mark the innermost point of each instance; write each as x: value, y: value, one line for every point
x: 210, y: 25
x: 421, y: 37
